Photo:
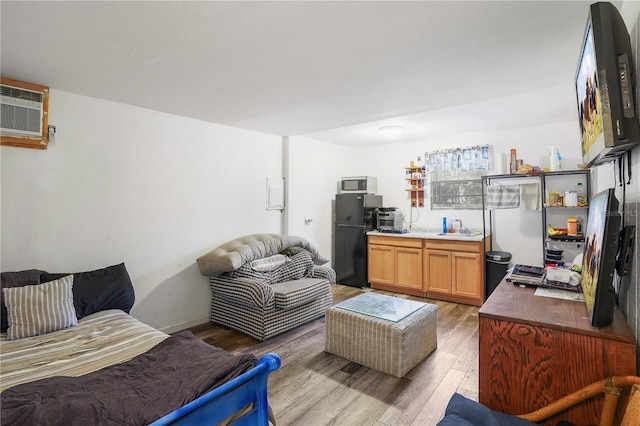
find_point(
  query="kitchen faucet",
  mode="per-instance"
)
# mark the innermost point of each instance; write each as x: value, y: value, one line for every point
x: 457, y: 226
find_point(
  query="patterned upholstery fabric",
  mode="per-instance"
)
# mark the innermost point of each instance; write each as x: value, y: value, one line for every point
x: 264, y: 304
x: 323, y: 272
x: 243, y: 292
x: 291, y: 294
x: 300, y: 264
x: 264, y: 321
x: 263, y: 310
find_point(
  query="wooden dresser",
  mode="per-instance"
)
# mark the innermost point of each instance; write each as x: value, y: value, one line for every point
x: 535, y: 350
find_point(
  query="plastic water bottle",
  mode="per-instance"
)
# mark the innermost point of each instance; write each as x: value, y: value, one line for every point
x: 559, y: 161
x: 444, y: 225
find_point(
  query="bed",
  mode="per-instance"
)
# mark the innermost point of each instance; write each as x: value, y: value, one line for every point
x: 109, y: 368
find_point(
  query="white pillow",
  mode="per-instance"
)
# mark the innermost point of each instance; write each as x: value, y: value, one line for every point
x: 270, y: 263
x: 39, y: 309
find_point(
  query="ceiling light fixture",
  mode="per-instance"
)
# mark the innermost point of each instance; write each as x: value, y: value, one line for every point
x: 392, y: 132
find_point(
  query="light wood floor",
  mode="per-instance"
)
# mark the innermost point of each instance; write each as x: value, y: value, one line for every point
x: 313, y: 387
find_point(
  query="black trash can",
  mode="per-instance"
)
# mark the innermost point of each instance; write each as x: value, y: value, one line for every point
x: 497, y: 263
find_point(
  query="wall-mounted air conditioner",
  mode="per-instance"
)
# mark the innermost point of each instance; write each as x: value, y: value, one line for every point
x: 23, y: 111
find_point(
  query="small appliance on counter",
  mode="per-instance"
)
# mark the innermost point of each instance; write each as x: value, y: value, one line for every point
x: 390, y: 220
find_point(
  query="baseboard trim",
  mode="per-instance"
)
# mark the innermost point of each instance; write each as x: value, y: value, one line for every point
x: 184, y: 325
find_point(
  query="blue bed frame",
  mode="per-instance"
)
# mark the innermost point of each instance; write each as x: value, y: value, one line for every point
x: 217, y: 405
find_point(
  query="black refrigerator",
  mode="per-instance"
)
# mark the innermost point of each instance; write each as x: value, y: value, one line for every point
x: 355, y: 214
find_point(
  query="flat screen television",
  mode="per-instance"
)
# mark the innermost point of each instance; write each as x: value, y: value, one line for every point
x: 605, y: 81
x: 599, y: 258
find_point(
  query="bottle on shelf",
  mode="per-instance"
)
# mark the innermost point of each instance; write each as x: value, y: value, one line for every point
x: 582, y: 195
x: 513, y: 163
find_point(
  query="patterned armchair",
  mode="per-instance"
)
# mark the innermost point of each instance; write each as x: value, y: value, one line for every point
x: 266, y: 284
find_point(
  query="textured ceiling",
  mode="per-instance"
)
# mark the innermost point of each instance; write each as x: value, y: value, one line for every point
x: 335, y: 71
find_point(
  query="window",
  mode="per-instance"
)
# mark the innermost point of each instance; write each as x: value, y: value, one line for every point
x: 456, y: 194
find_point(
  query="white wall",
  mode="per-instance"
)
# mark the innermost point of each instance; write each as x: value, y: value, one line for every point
x: 388, y: 163
x: 126, y: 184
x: 315, y: 167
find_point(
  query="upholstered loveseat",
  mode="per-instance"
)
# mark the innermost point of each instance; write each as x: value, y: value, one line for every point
x: 266, y: 284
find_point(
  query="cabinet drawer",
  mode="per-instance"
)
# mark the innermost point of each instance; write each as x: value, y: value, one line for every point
x: 396, y: 241
x: 468, y: 246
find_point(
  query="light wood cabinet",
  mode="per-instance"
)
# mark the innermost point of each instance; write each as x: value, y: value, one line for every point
x: 437, y: 272
x: 453, y: 271
x: 408, y: 271
x: 381, y: 264
x: 443, y: 269
x: 467, y: 271
x: 395, y: 264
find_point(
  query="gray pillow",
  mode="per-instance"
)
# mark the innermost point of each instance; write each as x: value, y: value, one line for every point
x: 34, y: 310
x: 15, y: 279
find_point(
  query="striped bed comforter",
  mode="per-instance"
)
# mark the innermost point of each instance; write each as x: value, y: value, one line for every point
x: 99, y: 340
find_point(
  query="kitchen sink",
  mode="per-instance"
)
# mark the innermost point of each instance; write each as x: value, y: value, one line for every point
x: 457, y: 234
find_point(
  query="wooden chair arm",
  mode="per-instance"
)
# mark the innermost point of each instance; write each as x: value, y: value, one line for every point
x: 611, y: 387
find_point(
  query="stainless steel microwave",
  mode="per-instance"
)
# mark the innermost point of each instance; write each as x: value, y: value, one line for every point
x: 364, y: 184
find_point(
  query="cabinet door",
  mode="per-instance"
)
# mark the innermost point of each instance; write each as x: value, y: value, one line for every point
x: 409, y: 267
x: 381, y: 264
x: 437, y: 271
x: 467, y: 275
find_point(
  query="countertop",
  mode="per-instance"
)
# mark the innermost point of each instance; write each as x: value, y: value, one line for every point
x: 473, y: 236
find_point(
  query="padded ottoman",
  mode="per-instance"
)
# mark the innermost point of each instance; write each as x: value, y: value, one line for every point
x: 391, y: 347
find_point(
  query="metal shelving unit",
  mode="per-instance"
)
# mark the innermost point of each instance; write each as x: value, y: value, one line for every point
x: 556, y: 216
x: 506, y: 180
x: 560, y: 182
